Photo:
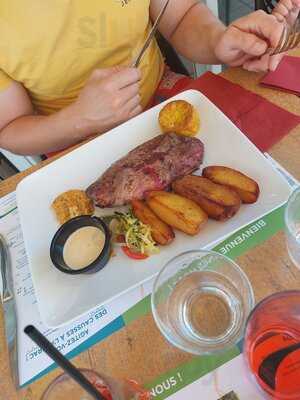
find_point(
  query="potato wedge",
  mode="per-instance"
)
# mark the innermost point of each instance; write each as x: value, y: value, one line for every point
x: 177, y: 211
x: 247, y: 188
x: 161, y: 232
x: 218, y: 201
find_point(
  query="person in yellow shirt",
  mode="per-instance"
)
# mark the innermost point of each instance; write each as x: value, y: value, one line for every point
x: 65, y: 65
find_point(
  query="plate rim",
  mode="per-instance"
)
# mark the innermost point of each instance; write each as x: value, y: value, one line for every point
x: 43, y: 170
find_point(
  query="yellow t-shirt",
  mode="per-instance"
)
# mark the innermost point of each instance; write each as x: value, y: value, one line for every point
x: 52, y: 46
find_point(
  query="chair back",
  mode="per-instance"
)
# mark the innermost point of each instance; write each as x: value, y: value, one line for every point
x: 171, y: 57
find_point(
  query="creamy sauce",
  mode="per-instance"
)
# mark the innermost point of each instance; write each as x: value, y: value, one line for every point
x: 83, y: 247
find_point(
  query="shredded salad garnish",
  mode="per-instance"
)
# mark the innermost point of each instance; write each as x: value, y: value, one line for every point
x: 137, y: 235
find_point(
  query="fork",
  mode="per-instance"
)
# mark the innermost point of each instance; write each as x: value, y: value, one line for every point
x: 290, y: 39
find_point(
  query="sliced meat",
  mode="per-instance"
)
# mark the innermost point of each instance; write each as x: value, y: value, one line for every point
x: 153, y: 165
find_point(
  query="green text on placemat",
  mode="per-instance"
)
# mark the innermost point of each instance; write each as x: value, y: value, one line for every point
x: 252, y: 235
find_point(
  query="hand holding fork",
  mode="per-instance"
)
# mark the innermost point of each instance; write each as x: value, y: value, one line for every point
x: 290, y: 39
x: 287, y: 11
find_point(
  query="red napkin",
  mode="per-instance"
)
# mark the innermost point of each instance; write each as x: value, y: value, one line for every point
x: 262, y: 122
x: 286, y: 76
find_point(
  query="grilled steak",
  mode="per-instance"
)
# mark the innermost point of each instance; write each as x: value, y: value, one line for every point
x: 151, y: 166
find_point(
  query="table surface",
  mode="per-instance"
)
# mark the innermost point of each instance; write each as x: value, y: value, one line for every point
x: 124, y: 354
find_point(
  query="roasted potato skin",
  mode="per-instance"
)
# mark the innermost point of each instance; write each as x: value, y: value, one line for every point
x: 218, y: 201
x: 246, y: 187
x: 162, y: 233
x: 70, y: 204
x: 180, y: 117
x: 177, y: 211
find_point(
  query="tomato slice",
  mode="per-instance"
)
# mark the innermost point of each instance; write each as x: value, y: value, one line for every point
x: 120, y: 239
x: 132, y: 254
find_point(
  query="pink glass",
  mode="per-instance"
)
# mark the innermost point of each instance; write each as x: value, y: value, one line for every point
x: 272, y: 345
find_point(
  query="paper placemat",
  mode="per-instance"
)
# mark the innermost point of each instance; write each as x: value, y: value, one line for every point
x: 95, y: 326
x: 98, y: 324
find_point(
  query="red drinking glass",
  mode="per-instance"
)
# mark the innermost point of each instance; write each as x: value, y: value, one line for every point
x: 272, y: 345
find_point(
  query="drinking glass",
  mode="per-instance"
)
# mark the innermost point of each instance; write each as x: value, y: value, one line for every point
x: 201, y: 301
x: 292, y: 226
x: 272, y: 345
x: 64, y: 387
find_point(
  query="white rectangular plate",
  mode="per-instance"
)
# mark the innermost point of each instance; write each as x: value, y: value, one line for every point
x: 61, y: 297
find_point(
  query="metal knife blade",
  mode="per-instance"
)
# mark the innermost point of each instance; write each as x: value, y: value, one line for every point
x: 150, y: 36
x: 8, y: 302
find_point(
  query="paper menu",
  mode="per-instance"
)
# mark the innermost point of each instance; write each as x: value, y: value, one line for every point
x: 230, y: 381
x: 32, y: 361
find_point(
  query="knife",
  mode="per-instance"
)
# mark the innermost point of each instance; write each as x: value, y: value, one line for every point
x: 9, y: 309
x: 150, y: 36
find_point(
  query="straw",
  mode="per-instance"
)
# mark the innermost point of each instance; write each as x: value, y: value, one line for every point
x: 62, y: 361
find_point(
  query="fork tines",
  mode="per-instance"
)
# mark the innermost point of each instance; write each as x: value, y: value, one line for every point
x: 289, y: 40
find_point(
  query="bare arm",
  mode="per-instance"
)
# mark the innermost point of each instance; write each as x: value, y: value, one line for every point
x: 195, y: 33
x: 22, y: 132
x: 109, y: 98
x: 191, y: 28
